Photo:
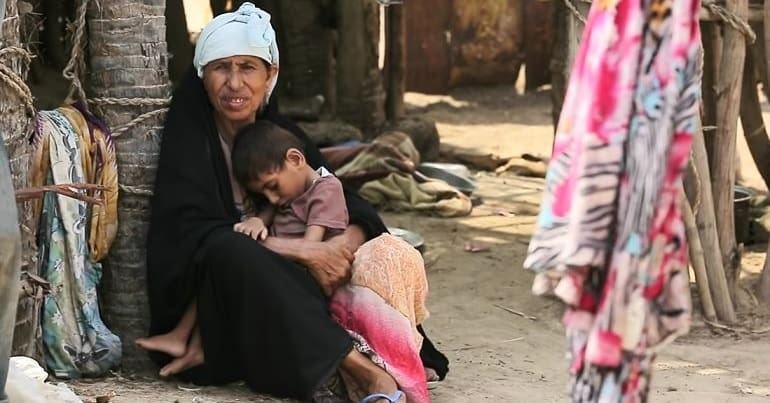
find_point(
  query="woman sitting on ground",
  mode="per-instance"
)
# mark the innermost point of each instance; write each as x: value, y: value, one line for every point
x: 261, y: 309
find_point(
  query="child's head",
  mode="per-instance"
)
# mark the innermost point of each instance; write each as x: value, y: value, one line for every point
x: 269, y: 160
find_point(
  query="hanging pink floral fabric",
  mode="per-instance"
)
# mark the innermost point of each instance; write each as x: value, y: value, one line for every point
x: 610, y: 241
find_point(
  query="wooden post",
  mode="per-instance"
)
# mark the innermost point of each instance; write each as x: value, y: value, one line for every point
x: 723, y: 172
x: 757, y: 50
x: 766, y: 39
x: 567, y: 41
x: 178, y: 39
x: 559, y: 73
x: 763, y: 287
x: 698, y: 262
x: 712, y: 57
x: 127, y: 49
x: 751, y: 120
x: 699, y: 180
x: 360, y: 96
x: 395, y: 61
x: 305, y: 43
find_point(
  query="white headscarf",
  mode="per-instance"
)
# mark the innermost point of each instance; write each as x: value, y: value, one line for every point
x: 245, y: 32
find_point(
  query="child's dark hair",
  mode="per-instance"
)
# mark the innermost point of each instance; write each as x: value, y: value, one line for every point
x: 260, y: 148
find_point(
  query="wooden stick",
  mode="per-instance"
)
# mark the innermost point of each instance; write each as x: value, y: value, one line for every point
x: 697, y: 261
x: 515, y: 312
x: 64, y: 190
x: 751, y: 120
x: 485, y: 345
x: 737, y: 330
x: 699, y: 178
x: 723, y: 172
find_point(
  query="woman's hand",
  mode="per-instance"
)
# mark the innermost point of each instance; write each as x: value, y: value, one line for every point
x: 253, y: 227
x: 329, y: 262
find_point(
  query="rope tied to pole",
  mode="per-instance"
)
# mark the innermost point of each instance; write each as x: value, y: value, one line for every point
x: 75, y: 67
x: 571, y: 7
x: 13, y: 80
x: 738, y: 23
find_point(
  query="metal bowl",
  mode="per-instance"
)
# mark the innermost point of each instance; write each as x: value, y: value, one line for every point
x: 457, y: 169
x: 461, y: 183
x: 412, y: 238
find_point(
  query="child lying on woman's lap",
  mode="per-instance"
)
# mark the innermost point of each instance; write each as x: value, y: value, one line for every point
x: 303, y: 202
x: 300, y: 202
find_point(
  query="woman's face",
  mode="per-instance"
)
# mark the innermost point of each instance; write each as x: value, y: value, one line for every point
x: 236, y: 86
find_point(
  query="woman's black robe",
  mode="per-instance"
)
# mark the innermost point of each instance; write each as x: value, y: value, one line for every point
x: 263, y: 318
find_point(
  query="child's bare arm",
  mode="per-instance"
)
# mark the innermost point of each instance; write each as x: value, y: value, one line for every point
x: 315, y: 233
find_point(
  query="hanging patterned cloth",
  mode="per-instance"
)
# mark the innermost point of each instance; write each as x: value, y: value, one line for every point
x: 72, y: 147
x: 610, y: 241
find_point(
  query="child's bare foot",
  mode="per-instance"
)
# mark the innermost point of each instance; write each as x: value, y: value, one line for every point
x: 191, y: 359
x: 370, y: 377
x: 169, y: 343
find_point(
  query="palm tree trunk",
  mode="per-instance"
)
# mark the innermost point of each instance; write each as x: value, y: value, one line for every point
x: 15, y: 127
x: 127, y: 47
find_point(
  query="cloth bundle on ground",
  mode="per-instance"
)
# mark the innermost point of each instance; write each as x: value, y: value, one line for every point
x: 383, y: 172
x: 71, y: 146
x: 610, y: 240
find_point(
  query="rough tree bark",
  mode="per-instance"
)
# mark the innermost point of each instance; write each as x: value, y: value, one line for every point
x: 127, y: 51
x: 723, y: 171
x: 360, y: 95
x: 15, y: 129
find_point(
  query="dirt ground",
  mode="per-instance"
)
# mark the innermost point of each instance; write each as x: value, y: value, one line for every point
x: 497, y: 356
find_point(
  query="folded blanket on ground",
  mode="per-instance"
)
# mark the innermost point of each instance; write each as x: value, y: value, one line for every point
x: 384, y: 174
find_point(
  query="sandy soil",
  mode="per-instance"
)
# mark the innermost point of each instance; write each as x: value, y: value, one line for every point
x: 496, y: 356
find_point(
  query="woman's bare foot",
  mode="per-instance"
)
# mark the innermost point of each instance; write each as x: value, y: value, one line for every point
x: 191, y: 359
x: 171, y: 343
x: 369, y: 376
